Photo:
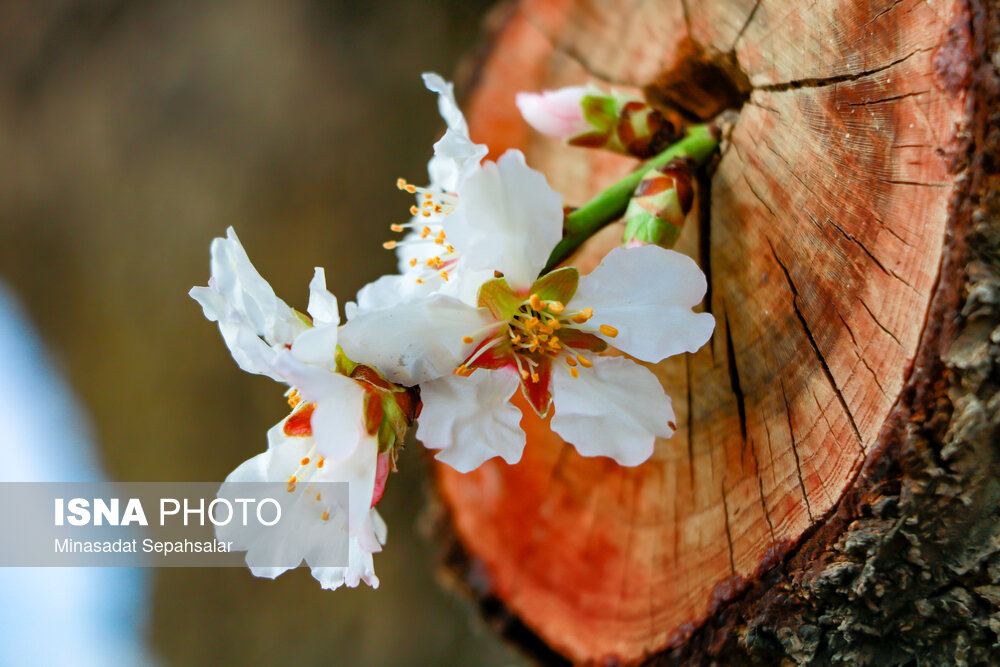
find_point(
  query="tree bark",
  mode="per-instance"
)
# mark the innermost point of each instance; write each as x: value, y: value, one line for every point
x: 831, y: 494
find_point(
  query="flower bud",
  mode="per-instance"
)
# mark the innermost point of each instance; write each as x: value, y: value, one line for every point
x: 584, y: 116
x: 661, y: 201
x: 555, y: 113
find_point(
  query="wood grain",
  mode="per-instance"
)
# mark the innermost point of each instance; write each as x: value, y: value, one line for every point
x: 822, y: 237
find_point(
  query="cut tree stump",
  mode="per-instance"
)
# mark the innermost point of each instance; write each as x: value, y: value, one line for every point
x: 831, y: 494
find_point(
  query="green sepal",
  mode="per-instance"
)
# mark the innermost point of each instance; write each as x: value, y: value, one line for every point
x: 501, y: 300
x: 559, y: 285
x: 643, y: 226
x: 600, y: 111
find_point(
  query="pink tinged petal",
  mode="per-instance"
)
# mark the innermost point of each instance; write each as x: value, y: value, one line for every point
x: 556, y: 113
x: 415, y: 341
x: 647, y: 294
x: 616, y: 409
x: 471, y: 420
x: 508, y: 219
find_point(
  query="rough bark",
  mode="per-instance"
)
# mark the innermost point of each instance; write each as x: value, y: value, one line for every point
x: 831, y: 495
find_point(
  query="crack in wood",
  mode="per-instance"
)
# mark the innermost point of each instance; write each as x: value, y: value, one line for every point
x: 729, y: 535
x: 821, y: 82
x: 893, y: 98
x: 878, y: 323
x: 746, y: 24
x: 795, y: 453
x: 734, y: 377
x: 690, y: 407
x: 760, y: 490
x: 815, y: 346
x: 704, y: 183
x: 864, y: 249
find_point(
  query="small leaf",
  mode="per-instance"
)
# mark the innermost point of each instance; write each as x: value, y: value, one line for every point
x: 497, y: 295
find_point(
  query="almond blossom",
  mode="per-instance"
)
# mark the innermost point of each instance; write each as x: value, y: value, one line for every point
x: 334, y: 433
x: 542, y: 334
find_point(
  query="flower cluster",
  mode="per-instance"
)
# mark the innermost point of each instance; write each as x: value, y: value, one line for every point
x: 472, y: 317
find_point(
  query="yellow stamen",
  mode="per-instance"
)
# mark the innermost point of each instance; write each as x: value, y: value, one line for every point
x: 583, y: 315
x: 396, y: 228
x: 420, y: 281
x: 574, y: 372
x: 554, y: 324
x: 467, y: 339
x: 608, y: 330
x: 294, y: 398
x: 556, y: 307
x: 444, y: 274
x: 319, y: 464
x: 389, y: 245
x: 428, y: 195
x: 414, y: 210
x: 318, y: 496
x: 427, y: 204
x: 524, y: 374
x: 535, y: 301
x: 571, y: 361
x: 401, y: 183
x: 462, y: 371
x: 426, y: 214
x: 413, y: 262
x: 584, y: 361
x: 439, y: 241
x: 425, y: 232
x: 534, y: 377
x: 411, y: 189
x: 304, y: 461
x: 325, y: 515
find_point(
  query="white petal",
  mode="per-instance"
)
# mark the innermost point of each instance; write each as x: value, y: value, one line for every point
x: 388, y: 291
x: 322, y: 304
x: 249, y: 295
x: 617, y: 409
x: 455, y: 155
x: 447, y: 105
x: 416, y: 341
x: 647, y: 293
x: 317, y: 346
x: 508, y: 219
x: 338, y: 420
x: 470, y: 419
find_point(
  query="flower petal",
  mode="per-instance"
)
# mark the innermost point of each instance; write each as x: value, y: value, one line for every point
x: 322, y: 304
x: 508, y: 219
x: 249, y: 295
x: 416, y: 341
x: 647, y: 293
x: 455, y: 156
x: 471, y: 420
x: 338, y: 420
x: 617, y: 409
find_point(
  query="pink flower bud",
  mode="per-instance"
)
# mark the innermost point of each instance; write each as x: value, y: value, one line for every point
x: 556, y: 113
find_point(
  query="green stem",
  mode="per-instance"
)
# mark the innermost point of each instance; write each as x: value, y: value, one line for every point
x: 700, y: 142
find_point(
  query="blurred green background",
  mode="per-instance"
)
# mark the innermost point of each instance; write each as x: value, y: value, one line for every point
x: 131, y: 134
